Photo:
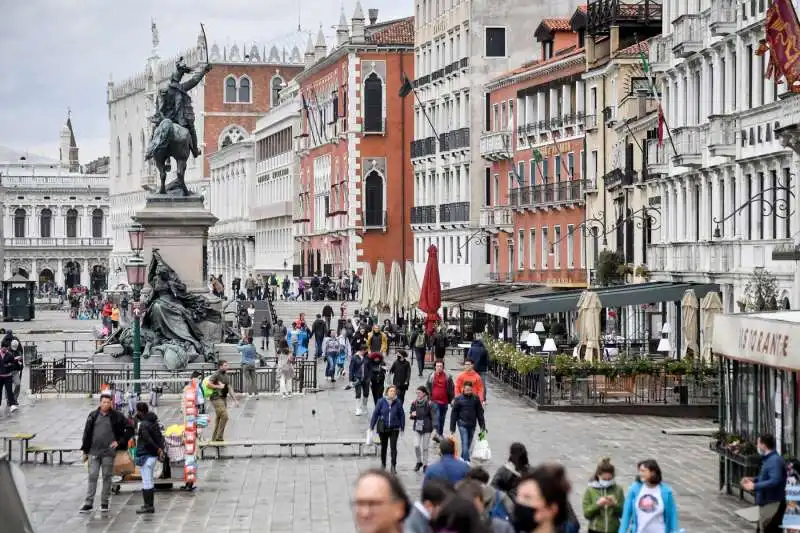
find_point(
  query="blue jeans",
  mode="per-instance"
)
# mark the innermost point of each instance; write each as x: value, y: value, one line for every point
x: 318, y: 352
x: 146, y: 471
x: 483, y: 376
x: 330, y: 366
x: 441, y: 415
x: 466, y: 434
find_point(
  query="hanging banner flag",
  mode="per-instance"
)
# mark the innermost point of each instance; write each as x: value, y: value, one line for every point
x: 782, y: 31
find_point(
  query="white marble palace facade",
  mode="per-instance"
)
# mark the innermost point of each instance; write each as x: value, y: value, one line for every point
x: 272, y: 187
x: 54, y: 219
x: 723, y: 113
x: 231, y: 239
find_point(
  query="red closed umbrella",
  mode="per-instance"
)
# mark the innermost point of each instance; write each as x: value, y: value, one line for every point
x: 430, y: 298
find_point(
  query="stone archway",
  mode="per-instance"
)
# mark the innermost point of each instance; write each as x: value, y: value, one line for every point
x: 98, y: 280
x: 72, y: 274
x: 47, y: 280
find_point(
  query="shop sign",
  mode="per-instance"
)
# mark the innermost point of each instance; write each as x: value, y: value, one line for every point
x: 758, y: 339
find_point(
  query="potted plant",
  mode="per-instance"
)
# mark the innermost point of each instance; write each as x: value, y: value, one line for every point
x: 642, y: 272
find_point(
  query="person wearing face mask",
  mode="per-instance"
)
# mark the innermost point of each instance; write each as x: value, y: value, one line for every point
x: 769, y: 486
x: 473, y: 491
x: 603, y: 499
x: 541, y: 502
x: 150, y: 446
x: 650, y: 504
x: 458, y: 515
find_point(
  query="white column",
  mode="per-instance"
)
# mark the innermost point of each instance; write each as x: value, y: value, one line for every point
x: 34, y: 273
x: 579, y: 96
x: 87, y: 222
x: 7, y: 269
x: 59, y: 273
x: 732, y: 191
x: 85, y: 273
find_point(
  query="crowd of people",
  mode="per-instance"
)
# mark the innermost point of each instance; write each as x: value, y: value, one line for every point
x: 317, y: 287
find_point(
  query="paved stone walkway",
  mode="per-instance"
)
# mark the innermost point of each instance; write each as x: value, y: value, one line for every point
x: 284, y: 495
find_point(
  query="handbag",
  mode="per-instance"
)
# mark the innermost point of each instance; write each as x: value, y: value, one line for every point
x: 380, y: 427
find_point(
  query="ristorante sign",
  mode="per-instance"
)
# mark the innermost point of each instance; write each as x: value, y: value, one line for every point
x: 765, y: 339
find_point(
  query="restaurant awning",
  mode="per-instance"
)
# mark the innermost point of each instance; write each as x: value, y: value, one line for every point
x: 617, y: 296
x: 467, y: 293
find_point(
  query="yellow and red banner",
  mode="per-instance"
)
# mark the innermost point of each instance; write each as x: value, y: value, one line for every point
x: 782, y: 31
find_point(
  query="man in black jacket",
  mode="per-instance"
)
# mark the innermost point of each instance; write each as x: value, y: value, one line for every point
x: 467, y: 414
x: 106, y: 430
x: 327, y: 312
x: 401, y: 374
x: 319, y: 328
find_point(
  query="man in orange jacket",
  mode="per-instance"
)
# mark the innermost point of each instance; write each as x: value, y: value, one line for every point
x: 469, y: 374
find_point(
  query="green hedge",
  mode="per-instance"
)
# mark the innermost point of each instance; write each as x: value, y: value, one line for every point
x: 508, y: 356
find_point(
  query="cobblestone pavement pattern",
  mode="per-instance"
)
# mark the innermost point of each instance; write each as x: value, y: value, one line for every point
x: 294, y: 495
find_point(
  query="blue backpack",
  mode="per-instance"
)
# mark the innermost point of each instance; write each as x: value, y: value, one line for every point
x: 499, y: 509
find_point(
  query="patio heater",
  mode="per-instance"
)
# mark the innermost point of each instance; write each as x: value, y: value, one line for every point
x: 664, y: 346
x: 136, y: 270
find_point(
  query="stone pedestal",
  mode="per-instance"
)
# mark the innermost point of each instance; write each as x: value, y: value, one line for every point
x: 178, y: 228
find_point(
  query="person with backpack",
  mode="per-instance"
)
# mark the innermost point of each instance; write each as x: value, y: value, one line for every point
x: 285, y: 286
x: 358, y: 380
x: 497, y: 503
x: 507, y: 476
x: 421, y: 415
x: 330, y: 349
x: 439, y: 342
x: 249, y: 357
x: 419, y: 343
x: 355, y: 283
x: 376, y: 370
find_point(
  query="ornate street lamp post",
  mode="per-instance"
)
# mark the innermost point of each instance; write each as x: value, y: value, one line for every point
x: 136, y: 270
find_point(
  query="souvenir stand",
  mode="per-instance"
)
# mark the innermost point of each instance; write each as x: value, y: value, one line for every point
x: 759, y: 386
x: 180, y: 445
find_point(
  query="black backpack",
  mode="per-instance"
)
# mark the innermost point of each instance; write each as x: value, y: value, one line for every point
x: 378, y: 375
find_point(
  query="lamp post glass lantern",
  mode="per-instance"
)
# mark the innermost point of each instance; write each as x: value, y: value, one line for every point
x: 136, y: 237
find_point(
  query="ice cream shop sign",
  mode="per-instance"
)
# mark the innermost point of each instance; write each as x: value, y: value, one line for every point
x: 763, y: 338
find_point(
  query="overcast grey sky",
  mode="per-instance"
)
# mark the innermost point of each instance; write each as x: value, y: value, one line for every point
x: 59, y: 54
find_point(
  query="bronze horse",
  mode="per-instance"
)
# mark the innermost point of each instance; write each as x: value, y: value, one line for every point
x: 171, y: 140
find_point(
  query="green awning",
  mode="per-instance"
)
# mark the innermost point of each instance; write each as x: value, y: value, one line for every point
x: 618, y: 296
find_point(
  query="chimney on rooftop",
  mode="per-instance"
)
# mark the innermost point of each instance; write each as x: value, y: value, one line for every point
x: 373, y: 15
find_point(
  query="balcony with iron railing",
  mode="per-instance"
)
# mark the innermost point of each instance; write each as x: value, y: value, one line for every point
x: 496, y: 145
x: 454, y: 212
x: 437, y: 74
x: 454, y: 140
x: 619, y: 177
x: 557, y: 194
x: 688, y: 35
x: 57, y: 242
x: 423, y: 214
x: 561, y: 276
x: 723, y: 19
x: 590, y: 122
x: 689, y: 143
x: 660, y: 53
x: 629, y: 14
x: 717, y: 256
x: 722, y: 136
x: 374, y: 219
x: 423, y: 147
x: 463, y: 63
x: 637, y: 106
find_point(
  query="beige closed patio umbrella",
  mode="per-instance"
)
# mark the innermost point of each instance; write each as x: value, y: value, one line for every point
x: 590, y: 322
x: 366, y: 287
x: 711, y: 305
x: 579, y: 320
x: 394, y: 291
x: 410, y: 287
x: 379, y: 288
x: 689, y: 322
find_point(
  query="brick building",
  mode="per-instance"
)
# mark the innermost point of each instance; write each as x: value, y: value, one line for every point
x: 534, y: 186
x: 355, y: 185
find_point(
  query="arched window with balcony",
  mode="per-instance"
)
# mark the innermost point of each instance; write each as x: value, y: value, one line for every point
x: 72, y: 223
x: 46, y: 223
x: 19, y: 222
x: 97, y: 223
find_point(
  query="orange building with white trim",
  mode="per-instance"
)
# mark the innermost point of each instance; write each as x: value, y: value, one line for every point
x: 535, y: 179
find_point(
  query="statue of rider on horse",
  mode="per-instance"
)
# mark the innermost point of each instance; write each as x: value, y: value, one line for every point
x: 174, y: 134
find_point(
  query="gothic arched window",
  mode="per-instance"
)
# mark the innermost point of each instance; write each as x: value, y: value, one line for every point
x: 232, y: 135
x: 244, y: 90
x: 72, y: 223
x: 45, y: 223
x: 230, y: 90
x: 118, y: 162
x: 19, y: 222
x: 373, y: 201
x: 276, y: 86
x: 130, y: 154
x: 97, y: 223
x: 373, y: 104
